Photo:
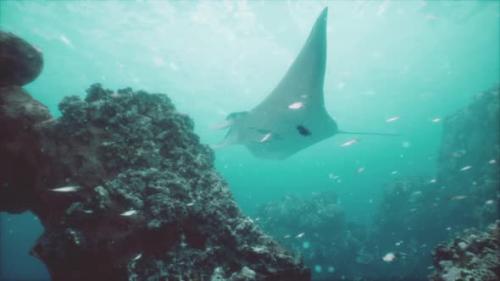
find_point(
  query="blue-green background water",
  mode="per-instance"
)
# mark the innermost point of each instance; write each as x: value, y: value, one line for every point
x: 418, y: 60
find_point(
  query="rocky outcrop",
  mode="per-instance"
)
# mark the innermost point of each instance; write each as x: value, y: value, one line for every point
x: 125, y: 191
x: 143, y: 201
x: 20, y: 154
x: 21, y: 63
x: 472, y: 256
x: 19, y: 148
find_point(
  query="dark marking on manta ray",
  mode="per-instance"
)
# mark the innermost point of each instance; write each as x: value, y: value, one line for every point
x: 303, y: 130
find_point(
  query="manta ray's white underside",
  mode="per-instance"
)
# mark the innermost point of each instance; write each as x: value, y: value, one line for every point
x: 293, y: 116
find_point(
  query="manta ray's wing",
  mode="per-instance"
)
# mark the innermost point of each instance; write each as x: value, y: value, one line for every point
x: 293, y: 116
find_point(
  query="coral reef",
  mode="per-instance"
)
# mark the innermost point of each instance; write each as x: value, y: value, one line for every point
x: 125, y: 191
x: 21, y: 63
x: 472, y: 256
x: 469, y: 162
x: 316, y: 229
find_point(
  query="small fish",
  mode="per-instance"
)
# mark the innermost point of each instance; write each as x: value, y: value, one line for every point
x: 392, y: 119
x: 492, y: 161
x: 265, y: 138
x: 360, y: 170
x: 490, y: 202
x: 458, y: 197
x: 394, y: 172
x: 128, y: 213
x: 399, y: 243
x: 349, y: 143
x: 433, y: 181
x: 436, y: 120
x: 296, y: 105
x: 137, y: 257
x: 300, y: 235
x: 287, y: 236
x: 65, y: 40
x: 72, y: 188
x: 465, y: 168
x: 190, y: 204
x: 389, y: 257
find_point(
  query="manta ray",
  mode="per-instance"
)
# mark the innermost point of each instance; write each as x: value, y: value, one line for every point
x: 293, y: 116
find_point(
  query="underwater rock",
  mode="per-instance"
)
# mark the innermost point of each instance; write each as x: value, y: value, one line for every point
x: 472, y: 256
x: 127, y: 192
x: 20, y: 155
x: 20, y: 62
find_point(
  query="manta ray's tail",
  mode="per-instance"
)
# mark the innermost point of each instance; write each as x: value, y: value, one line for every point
x: 368, y: 133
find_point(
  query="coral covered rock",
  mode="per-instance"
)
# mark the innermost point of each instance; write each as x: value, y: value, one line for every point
x: 20, y: 154
x: 472, y: 256
x: 20, y: 62
x: 127, y: 192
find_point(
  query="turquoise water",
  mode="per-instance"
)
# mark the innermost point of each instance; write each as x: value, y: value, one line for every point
x: 417, y: 60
